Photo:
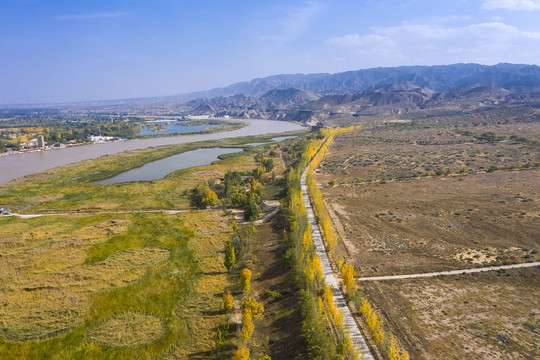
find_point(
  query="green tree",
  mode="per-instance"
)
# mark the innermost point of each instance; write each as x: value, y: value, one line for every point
x: 230, y: 257
x: 222, y: 335
x: 251, y: 209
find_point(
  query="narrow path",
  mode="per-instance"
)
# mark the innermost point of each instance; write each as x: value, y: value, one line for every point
x: 168, y: 212
x: 348, y: 320
x: 281, y: 159
x: 451, y: 272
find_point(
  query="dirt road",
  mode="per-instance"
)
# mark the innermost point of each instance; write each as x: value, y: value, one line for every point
x: 452, y: 272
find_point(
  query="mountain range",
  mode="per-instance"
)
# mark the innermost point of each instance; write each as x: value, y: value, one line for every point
x: 377, y: 92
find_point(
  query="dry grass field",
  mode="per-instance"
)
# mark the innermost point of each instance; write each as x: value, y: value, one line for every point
x: 437, y: 224
x: 380, y: 155
x: 408, y: 223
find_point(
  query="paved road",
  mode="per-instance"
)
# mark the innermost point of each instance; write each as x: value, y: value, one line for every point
x: 348, y: 320
x: 452, y: 272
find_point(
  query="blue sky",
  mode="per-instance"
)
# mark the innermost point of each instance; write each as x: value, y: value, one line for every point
x: 56, y: 51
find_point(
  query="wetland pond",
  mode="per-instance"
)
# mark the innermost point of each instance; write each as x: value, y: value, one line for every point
x: 160, y: 168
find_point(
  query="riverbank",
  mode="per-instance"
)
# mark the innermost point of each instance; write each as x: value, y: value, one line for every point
x: 18, y: 165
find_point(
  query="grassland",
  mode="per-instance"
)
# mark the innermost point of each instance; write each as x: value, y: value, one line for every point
x: 408, y: 223
x: 107, y: 279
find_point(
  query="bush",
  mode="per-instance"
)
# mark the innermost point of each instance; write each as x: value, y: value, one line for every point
x: 241, y: 354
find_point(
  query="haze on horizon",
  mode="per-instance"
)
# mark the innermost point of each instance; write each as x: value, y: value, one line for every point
x: 78, y: 50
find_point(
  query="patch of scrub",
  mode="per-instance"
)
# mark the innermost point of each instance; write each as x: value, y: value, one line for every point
x: 127, y: 329
x: 138, y: 257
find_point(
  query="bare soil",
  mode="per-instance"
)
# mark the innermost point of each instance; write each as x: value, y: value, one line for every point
x: 356, y: 157
x: 492, y: 315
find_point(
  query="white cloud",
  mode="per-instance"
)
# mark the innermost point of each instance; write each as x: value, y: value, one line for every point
x: 511, y: 4
x: 411, y: 44
x: 91, y: 16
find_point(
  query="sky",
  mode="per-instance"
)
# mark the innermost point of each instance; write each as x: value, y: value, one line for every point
x: 78, y: 50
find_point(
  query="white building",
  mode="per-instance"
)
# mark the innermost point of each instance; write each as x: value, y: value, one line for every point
x: 99, y: 139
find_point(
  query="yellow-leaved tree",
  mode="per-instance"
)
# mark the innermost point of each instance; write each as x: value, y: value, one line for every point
x: 241, y: 354
x: 227, y: 300
x: 348, y: 274
x: 245, y: 279
x: 247, y: 325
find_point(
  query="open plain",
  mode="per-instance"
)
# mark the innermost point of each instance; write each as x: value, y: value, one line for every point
x: 407, y: 199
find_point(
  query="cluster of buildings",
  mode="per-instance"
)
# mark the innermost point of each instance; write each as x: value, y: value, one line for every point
x: 37, y: 143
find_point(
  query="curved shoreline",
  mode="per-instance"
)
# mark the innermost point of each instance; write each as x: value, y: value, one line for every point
x: 18, y: 165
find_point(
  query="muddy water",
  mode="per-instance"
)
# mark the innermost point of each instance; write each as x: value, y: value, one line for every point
x: 15, y: 166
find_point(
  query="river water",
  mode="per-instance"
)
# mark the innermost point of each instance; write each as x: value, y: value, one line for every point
x: 15, y: 166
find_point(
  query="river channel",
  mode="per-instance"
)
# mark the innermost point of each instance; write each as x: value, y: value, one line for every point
x: 17, y: 165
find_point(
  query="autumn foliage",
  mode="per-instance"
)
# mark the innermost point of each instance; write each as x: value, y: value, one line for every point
x: 227, y: 300
x: 348, y: 274
x: 323, y: 330
x: 245, y: 279
x: 375, y: 325
x: 241, y: 354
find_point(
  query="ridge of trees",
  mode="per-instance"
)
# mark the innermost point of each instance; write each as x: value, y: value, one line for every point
x: 323, y: 331
x: 385, y: 341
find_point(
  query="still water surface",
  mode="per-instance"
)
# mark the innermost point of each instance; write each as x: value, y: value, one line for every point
x: 160, y: 168
x: 15, y: 166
